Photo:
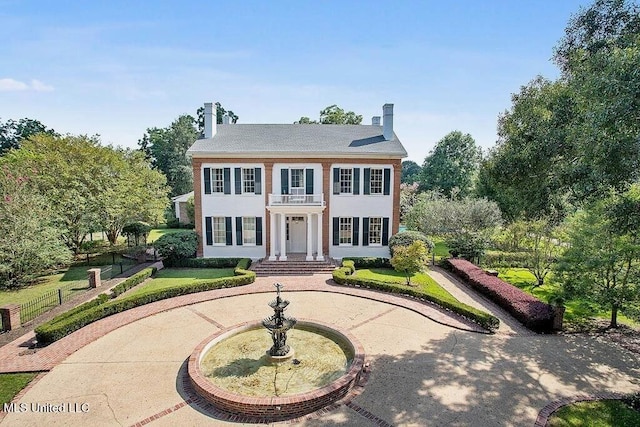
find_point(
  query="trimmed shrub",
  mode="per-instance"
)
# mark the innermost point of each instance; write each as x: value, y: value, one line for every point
x: 92, y: 311
x: 533, y: 313
x: 175, y: 246
x: 369, y: 262
x: 132, y: 281
x: 500, y: 259
x: 344, y: 276
x: 406, y: 238
x: 205, y: 262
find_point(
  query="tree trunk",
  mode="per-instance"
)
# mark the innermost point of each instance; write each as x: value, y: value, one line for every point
x: 406, y: 273
x: 614, y: 316
x: 540, y: 281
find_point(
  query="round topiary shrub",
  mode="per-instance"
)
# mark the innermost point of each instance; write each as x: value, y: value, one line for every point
x: 406, y: 238
x: 176, y: 246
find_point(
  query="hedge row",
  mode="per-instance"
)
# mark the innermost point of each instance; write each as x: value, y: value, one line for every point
x: 344, y: 276
x: 132, y: 281
x: 369, y: 262
x: 206, y: 263
x: 500, y: 259
x: 533, y: 313
x: 92, y: 311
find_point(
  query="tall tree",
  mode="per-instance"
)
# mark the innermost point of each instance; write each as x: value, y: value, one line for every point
x: 333, y: 115
x: 167, y: 147
x: 410, y: 172
x: 451, y: 165
x: 602, y: 261
x: 12, y: 132
x: 528, y: 173
x: 29, y: 240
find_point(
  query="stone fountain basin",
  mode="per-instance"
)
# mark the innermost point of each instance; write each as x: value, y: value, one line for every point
x: 274, y: 408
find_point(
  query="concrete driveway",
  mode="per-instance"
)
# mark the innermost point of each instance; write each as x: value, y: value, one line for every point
x: 423, y: 373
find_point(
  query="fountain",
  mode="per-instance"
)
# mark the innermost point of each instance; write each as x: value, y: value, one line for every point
x: 278, y: 325
x: 234, y: 371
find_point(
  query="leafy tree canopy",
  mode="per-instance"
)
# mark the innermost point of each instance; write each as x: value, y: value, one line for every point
x: 13, y: 132
x: 333, y: 115
x: 410, y: 172
x: 452, y: 164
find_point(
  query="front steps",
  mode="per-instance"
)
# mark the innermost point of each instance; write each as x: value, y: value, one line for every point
x: 292, y: 267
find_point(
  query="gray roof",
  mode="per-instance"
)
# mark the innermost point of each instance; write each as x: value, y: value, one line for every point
x: 306, y: 139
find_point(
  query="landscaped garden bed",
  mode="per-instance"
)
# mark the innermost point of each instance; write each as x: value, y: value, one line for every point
x: 389, y: 280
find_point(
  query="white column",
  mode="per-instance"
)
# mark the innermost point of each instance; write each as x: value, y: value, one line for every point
x: 283, y: 237
x: 309, y: 239
x: 319, y: 255
x: 272, y: 236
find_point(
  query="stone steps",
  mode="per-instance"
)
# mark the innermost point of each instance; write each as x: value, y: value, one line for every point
x: 291, y: 267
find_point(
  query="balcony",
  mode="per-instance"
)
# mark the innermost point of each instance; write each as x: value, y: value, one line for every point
x: 296, y: 199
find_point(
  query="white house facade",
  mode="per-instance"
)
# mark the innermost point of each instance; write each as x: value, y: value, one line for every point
x: 268, y: 191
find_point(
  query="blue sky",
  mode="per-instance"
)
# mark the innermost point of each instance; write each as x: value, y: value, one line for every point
x: 117, y: 68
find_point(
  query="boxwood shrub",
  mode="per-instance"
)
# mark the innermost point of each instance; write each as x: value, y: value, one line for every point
x: 205, y: 262
x: 533, y: 313
x: 92, y: 311
x: 369, y: 262
x: 344, y: 276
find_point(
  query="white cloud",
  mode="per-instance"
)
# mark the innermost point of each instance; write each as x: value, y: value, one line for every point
x: 12, y: 85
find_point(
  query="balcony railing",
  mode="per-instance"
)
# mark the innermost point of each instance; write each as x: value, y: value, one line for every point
x: 296, y: 199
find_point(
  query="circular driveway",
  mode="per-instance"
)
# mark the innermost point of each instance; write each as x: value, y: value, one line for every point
x: 422, y: 373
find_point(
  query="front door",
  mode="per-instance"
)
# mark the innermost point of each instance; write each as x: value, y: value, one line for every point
x: 297, y: 234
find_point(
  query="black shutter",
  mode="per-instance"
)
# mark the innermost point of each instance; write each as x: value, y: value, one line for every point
x: 367, y: 180
x: 228, y: 230
x: 308, y: 181
x: 239, y: 230
x: 356, y: 181
x: 209, y: 230
x: 227, y: 180
x: 238, y: 176
x: 385, y: 231
x: 355, y: 231
x: 207, y: 180
x: 258, y: 231
x: 336, y: 231
x: 284, y: 181
x: 258, y: 181
x: 336, y: 180
x: 365, y: 231
x: 387, y: 181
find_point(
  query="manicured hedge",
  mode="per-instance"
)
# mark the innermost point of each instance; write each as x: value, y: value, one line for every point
x: 369, y: 262
x: 92, y: 311
x: 500, y: 259
x: 533, y: 313
x: 205, y: 262
x: 344, y: 276
x: 132, y: 281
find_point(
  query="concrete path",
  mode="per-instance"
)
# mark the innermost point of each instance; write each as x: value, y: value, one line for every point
x: 428, y: 369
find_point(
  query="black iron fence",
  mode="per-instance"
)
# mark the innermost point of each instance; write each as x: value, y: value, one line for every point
x: 45, y: 302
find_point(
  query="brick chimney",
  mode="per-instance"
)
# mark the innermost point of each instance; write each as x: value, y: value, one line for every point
x: 387, y: 121
x: 226, y: 119
x: 209, y: 120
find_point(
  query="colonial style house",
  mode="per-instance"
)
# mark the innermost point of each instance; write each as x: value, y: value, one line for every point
x: 269, y: 190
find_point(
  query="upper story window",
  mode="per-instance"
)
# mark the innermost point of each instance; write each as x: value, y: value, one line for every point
x: 297, y: 178
x: 248, y: 180
x: 376, y: 181
x: 217, y: 180
x: 346, y: 180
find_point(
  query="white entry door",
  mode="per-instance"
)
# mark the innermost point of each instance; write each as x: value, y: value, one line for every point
x: 297, y: 236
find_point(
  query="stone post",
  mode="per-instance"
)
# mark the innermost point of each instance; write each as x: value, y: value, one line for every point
x: 558, y: 317
x: 94, y: 277
x: 10, y: 317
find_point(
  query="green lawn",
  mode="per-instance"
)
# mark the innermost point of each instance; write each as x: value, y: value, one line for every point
x: 420, y: 281
x: 603, y: 413
x: 75, y: 278
x: 440, y: 248
x: 11, y: 384
x: 170, y: 277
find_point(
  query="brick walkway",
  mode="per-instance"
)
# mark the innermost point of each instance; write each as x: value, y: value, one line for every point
x: 16, y: 356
